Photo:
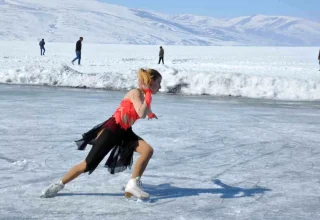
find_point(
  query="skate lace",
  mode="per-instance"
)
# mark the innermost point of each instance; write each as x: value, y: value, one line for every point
x: 58, y: 186
x: 139, y: 184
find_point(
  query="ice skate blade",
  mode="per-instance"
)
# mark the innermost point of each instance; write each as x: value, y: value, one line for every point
x: 46, y: 196
x: 138, y: 200
x: 128, y: 195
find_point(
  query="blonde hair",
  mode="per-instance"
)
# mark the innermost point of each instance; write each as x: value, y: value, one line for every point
x: 147, y: 76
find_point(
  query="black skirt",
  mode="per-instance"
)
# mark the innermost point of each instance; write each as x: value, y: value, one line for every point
x: 122, y: 143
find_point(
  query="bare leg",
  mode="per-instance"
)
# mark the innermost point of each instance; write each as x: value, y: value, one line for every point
x: 145, y: 151
x: 74, y: 172
x: 133, y: 187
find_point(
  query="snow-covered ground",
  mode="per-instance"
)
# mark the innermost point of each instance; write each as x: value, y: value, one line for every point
x: 286, y: 73
x: 215, y: 158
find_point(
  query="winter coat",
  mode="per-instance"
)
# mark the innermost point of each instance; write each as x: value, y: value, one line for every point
x: 42, y: 43
x: 78, y: 46
x: 161, y: 52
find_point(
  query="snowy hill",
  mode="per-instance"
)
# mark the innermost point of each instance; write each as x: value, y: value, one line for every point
x: 281, y: 29
x: 65, y: 21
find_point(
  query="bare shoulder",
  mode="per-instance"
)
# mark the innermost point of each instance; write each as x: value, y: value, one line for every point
x: 134, y: 94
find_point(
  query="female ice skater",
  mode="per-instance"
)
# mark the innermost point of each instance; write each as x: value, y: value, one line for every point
x: 116, y: 134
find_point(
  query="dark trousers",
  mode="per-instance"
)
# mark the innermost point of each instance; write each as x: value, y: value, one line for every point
x: 160, y: 58
x: 42, y: 50
x: 78, y: 53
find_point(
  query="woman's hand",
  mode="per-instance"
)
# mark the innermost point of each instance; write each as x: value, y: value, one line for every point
x: 151, y: 116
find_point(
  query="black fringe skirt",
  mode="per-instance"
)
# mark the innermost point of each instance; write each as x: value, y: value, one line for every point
x: 122, y: 143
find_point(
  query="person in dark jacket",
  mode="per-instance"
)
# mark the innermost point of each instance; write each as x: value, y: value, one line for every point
x: 78, y: 51
x: 319, y: 59
x: 42, y: 49
x: 161, y: 55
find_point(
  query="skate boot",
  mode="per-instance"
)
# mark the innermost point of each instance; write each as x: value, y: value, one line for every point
x: 52, y: 190
x: 134, y: 188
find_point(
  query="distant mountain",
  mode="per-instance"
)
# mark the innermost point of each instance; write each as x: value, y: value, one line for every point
x: 66, y: 20
x: 281, y: 29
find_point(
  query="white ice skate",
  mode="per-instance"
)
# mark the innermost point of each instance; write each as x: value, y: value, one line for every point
x: 134, y: 188
x: 52, y: 190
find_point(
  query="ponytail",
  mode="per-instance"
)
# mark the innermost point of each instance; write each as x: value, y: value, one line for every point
x: 147, y: 76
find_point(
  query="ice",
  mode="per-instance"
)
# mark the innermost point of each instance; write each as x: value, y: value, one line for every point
x: 215, y: 157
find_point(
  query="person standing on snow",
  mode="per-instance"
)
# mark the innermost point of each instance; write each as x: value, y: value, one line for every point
x: 161, y: 55
x: 41, y: 44
x: 319, y: 59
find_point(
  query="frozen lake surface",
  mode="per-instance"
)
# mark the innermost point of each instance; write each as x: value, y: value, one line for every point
x: 215, y: 158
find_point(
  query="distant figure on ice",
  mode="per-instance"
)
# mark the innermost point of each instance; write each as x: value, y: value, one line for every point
x: 78, y: 51
x: 41, y: 44
x: 319, y: 59
x: 161, y: 55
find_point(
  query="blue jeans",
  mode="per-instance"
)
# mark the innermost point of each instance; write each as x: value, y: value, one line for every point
x: 78, y: 53
x: 42, y: 49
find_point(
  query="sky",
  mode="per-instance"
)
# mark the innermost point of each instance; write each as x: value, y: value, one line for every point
x: 228, y: 8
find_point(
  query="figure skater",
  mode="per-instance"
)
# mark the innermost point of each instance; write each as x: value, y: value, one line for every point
x: 116, y: 135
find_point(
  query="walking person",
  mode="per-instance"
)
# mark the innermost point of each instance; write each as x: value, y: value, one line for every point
x: 116, y: 135
x: 42, y: 49
x: 78, y: 51
x: 161, y: 55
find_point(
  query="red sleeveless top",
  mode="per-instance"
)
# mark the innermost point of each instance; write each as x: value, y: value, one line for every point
x: 126, y: 115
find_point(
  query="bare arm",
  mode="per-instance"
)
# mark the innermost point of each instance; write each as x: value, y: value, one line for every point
x: 138, y: 102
